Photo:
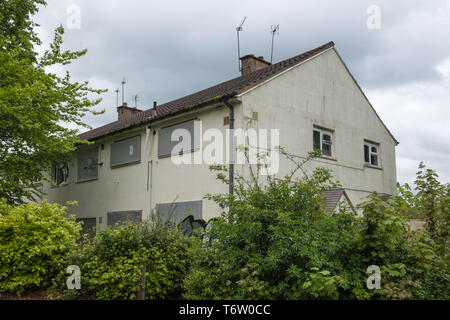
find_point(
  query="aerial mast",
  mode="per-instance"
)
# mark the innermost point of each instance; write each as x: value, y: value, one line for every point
x: 117, y: 96
x: 273, y: 30
x: 123, y: 90
x: 239, y: 29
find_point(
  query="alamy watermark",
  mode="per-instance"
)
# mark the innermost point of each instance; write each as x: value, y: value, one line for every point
x: 74, y: 19
x: 374, y: 280
x: 214, y: 146
x: 74, y: 280
x: 373, y: 21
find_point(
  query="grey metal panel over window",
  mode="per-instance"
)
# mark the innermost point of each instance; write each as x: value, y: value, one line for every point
x: 88, y: 227
x: 123, y: 217
x: 87, y: 164
x: 178, y: 210
x: 126, y: 151
x: 166, y: 145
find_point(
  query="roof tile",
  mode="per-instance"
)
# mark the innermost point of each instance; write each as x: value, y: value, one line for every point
x: 230, y: 87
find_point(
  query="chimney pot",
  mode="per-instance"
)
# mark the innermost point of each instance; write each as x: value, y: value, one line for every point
x: 125, y: 104
x: 154, y: 104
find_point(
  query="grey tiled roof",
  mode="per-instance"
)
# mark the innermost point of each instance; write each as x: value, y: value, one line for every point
x: 224, y: 89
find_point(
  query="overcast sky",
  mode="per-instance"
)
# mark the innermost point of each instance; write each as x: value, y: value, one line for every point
x: 167, y: 49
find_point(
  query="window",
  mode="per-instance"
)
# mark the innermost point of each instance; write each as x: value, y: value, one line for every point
x: 127, y: 151
x: 87, y: 165
x: 177, y: 211
x: 121, y: 217
x: 371, y: 153
x: 178, y: 135
x: 322, y: 140
x: 88, y: 227
x: 60, y: 174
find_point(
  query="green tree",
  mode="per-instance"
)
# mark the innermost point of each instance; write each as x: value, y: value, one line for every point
x: 433, y: 201
x: 35, y: 104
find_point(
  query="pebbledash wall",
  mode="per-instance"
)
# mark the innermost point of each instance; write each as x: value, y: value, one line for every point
x: 319, y: 92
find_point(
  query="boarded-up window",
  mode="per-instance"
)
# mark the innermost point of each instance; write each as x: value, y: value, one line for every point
x: 121, y: 217
x: 176, y: 211
x: 180, y: 138
x: 88, y: 227
x: 87, y: 164
x: 126, y: 151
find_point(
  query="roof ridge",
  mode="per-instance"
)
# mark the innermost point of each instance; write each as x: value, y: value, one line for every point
x: 230, y: 87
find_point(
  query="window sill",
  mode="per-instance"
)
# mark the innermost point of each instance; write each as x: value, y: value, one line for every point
x: 124, y: 164
x: 59, y: 185
x: 328, y: 158
x: 82, y: 181
x: 177, y: 154
x: 367, y: 165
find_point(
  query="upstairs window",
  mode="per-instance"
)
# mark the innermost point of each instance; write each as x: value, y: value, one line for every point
x: 125, y: 152
x: 371, y: 151
x: 183, y: 137
x: 60, y: 174
x: 87, y: 165
x: 323, y: 140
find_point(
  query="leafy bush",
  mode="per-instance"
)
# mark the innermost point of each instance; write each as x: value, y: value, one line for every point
x: 277, y: 242
x: 34, y: 239
x: 111, y: 265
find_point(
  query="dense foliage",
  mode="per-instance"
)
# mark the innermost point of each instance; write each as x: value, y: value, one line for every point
x: 111, y: 265
x: 35, y: 104
x: 34, y: 239
x: 277, y: 242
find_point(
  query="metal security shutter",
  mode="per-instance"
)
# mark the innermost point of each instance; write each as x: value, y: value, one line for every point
x: 178, y: 210
x: 89, y: 225
x: 165, y: 143
x: 87, y: 164
x: 126, y: 151
x: 123, y: 217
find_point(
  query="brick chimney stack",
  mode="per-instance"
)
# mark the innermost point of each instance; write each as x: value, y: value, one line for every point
x: 251, y: 63
x: 124, y: 111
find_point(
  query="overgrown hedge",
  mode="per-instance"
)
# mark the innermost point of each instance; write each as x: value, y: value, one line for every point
x: 276, y: 242
x: 34, y: 240
x: 111, y: 265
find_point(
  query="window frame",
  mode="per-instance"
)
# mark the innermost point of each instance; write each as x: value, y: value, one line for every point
x: 58, y: 166
x: 97, y: 164
x: 370, y: 145
x: 322, y: 132
x: 194, y: 147
x: 119, y: 165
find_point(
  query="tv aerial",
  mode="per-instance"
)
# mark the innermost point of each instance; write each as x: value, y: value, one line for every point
x: 135, y: 98
x: 239, y: 29
x: 273, y: 30
x: 117, y: 96
x: 123, y: 89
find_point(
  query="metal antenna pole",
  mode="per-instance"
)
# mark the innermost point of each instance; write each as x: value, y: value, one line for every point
x: 117, y: 96
x: 273, y: 31
x: 238, y: 29
x: 123, y: 89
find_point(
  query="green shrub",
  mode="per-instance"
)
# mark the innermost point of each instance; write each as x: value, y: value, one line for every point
x: 111, y: 265
x: 34, y: 239
x: 276, y: 242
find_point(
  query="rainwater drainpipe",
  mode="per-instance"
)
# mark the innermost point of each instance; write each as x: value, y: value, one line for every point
x: 231, y: 165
